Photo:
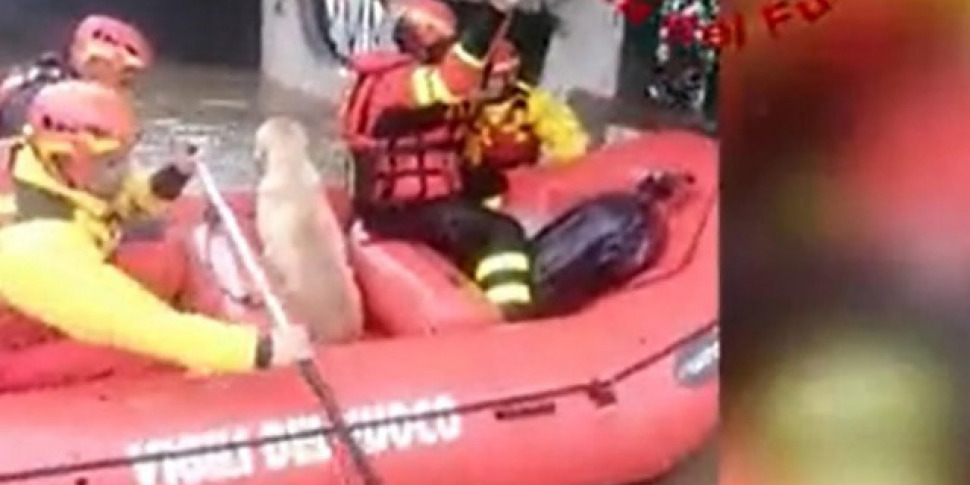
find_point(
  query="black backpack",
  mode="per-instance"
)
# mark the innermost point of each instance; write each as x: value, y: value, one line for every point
x: 601, y: 243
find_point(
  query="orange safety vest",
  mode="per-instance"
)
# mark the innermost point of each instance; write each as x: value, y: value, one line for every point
x: 404, y: 157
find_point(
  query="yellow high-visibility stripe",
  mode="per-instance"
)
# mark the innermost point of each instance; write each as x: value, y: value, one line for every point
x: 494, y: 202
x: 101, y: 146
x: 509, y: 293
x: 421, y: 86
x: 53, y: 147
x: 467, y: 58
x: 109, y: 51
x: 511, y: 261
x: 97, y: 145
x: 429, y: 88
x: 440, y: 89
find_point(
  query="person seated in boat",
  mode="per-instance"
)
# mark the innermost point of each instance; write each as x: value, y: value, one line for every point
x: 102, y: 49
x: 404, y: 123
x: 74, y: 188
x: 516, y: 124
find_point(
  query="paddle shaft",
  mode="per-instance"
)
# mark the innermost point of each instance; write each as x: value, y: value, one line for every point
x: 308, y: 369
x: 500, y: 33
x: 477, y: 104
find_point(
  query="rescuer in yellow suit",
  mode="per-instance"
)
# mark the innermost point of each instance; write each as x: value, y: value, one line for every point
x: 73, y: 189
x: 517, y: 125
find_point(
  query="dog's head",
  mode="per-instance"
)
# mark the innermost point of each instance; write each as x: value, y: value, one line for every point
x: 279, y: 135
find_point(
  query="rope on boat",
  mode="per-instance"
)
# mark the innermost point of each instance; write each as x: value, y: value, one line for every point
x: 311, y: 375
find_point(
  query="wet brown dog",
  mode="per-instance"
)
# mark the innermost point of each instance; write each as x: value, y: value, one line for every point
x: 303, y: 244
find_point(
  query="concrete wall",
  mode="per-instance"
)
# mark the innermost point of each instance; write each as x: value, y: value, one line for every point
x: 583, y: 53
x: 298, y: 72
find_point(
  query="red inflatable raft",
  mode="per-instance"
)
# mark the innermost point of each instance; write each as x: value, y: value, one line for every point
x: 616, y: 393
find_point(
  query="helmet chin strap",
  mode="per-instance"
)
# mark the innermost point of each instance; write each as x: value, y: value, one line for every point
x: 57, y: 166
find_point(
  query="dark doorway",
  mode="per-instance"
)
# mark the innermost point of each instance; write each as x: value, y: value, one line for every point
x: 223, y: 32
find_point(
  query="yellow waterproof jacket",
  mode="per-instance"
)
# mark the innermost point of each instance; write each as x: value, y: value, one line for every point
x: 54, y: 267
x: 529, y: 125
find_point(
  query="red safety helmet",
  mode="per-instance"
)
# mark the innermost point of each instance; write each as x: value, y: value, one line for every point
x: 120, y: 46
x: 75, y: 124
x: 423, y: 24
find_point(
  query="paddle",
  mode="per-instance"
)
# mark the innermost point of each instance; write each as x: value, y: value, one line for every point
x: 308, y: 369
x: 477, y: 103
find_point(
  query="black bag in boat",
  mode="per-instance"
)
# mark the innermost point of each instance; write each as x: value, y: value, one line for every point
x: 600, y: 244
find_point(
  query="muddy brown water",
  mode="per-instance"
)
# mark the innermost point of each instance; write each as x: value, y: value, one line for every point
x: 218, y: 110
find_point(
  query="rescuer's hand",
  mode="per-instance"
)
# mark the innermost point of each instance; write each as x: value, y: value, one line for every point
x: 290, y: 345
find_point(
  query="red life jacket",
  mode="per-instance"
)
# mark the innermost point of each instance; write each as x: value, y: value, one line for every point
x: 401, y: 156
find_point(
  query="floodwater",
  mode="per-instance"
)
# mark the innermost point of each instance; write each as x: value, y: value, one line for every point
x: 217, y: 109
x: 700, y: 469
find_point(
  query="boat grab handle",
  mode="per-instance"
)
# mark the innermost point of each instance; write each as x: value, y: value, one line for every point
x: 529, y: 410
x: 599, y: 391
